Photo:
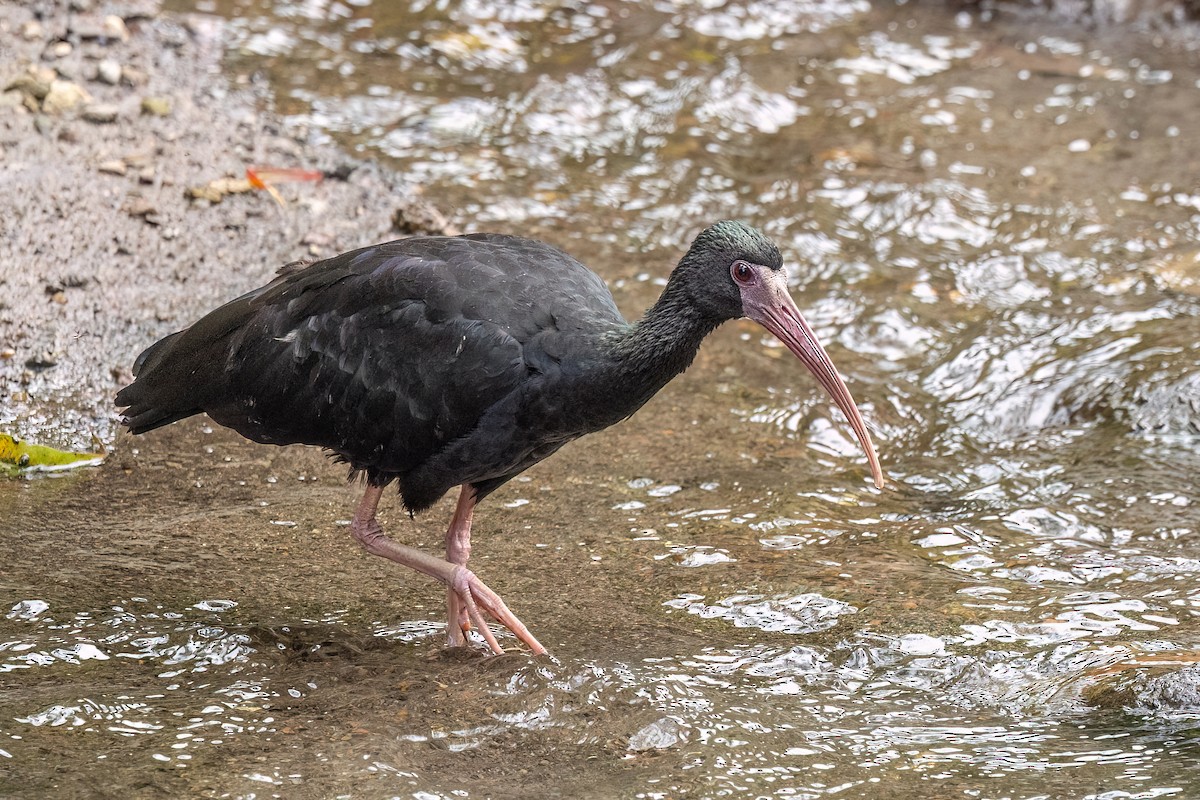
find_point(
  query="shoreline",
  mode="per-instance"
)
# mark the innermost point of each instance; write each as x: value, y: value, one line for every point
x: 105, y: 252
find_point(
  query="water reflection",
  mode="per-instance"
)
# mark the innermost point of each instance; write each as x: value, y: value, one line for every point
x: 194, y: 700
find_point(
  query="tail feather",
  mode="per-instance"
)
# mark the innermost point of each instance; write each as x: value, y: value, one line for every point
x: 153, y: 399
x: 153, y: 418
x: 154, y: 353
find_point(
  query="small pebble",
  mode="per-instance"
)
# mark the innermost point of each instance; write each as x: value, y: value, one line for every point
x: 32, y: 31
x: 415, y: 216
x: 140, y: 207
x: 1079, y: 146
x: 63, y: 95
x: 45, y: 360
x: 132, y: 76
x: 108, y: 71
x: 114, y: 26
x: 35, y: 83
x: 113, y: 167
x: 146, y: 174
x: 103, y: 29
x: 156, y: 106
x: 100, y: 113
x: 60, y: 49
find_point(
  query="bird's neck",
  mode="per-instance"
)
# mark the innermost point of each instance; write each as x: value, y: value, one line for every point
x: 664, y: 341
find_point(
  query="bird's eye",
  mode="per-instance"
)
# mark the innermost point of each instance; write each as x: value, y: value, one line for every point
x: 742, y: 272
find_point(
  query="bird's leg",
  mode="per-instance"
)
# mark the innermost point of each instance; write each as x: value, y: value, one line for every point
x: 473, y: 594
x: 458, y: 550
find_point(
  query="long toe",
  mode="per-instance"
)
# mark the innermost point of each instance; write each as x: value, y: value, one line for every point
x: 478, y: 599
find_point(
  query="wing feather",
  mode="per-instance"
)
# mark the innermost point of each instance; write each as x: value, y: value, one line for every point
x: 383, y: 355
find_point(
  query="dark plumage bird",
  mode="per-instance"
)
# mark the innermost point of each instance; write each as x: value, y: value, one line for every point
x: 459, y: 361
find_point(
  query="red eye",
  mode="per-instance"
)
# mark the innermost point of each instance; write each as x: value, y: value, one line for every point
x: 742, y: 272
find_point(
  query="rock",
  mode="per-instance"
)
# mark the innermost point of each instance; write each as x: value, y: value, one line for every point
x: 100, y: 113
x: 32, y: 31
x: 156, y: 106
x: 44, y: 75
x: 94, y: 26
x: 662, y: 734
x: 1149, y: 689
x: 132, y: 76
x: 417, y: 217
x: 141, y: 207
x: 114, y: 27
x: 60, y: 50
x: 63, y: 95
x: 108, y: 71
x: 146, y: 174
x: 35, y: 83
x: 114, y: 167
x: 44, y: 360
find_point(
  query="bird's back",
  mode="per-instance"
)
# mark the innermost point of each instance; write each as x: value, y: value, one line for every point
x: 382, y: 355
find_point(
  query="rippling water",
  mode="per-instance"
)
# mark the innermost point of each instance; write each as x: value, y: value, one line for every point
x: 992, y: 223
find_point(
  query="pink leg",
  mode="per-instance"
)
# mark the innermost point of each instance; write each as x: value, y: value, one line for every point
x: 458, y: 550
x: 472, y: 596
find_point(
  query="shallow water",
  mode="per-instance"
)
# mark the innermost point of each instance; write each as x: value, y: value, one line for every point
x: 991, y: 223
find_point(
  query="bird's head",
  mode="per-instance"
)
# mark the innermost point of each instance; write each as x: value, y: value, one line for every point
x: 736, y: 271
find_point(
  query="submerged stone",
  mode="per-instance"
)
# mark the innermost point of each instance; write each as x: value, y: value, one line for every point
x: 662, y: 734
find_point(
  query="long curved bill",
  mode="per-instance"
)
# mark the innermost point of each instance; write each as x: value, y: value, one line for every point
x: 770, y: 305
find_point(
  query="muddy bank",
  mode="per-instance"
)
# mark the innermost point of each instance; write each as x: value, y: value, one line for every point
x: 113, y: 112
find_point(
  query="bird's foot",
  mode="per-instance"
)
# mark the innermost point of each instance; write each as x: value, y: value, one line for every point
x: 469, y: 599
